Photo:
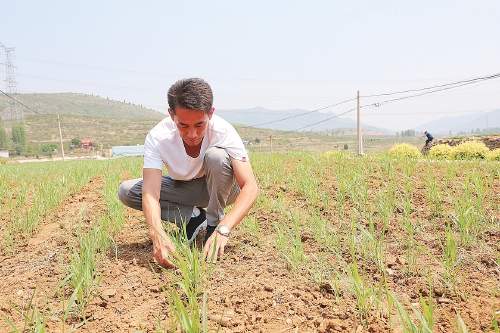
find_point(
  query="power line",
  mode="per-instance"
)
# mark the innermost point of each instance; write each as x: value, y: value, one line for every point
x: 327, y: 119
x: 18, y: 101
x: 419, y: 113
x: 96, y: 67
x: 33, y: 110
x: 378, y: 104
x: 301, y: 114
x: 440, y: 87
x: 436, y: 88
x: 488, y: 77
x: 86, y: 83
x: 423, y: 112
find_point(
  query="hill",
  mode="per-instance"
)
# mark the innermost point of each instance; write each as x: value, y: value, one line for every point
x: 463, y: 123
x: 76, y: 104
x: 103, y: 120
x: 107, y: 123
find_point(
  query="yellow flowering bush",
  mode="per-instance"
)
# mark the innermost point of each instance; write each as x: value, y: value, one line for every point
x: 441, y: 152
x: 470, y: 150
x: 494, y: 155
x: 404, y: 150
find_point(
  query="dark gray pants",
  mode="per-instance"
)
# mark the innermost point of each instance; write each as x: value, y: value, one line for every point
x: 215, y: 191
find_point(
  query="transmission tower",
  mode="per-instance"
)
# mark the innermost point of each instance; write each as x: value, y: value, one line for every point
x: 12, y: 112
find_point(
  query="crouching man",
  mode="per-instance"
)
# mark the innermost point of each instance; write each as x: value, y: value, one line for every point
x: 208, y: 167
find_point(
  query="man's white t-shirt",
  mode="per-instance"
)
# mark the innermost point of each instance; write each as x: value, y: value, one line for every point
x: 164, y: 145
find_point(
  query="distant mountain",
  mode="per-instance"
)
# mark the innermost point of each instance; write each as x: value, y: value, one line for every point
x: 263, y: 118
x: 463, y: 123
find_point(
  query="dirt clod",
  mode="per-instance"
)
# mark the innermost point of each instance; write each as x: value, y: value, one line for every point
x: 109, y: 292
x: 268, y: 288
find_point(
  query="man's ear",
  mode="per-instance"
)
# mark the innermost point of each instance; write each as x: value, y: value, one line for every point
x: 211, y: 113
x: 172, y: 114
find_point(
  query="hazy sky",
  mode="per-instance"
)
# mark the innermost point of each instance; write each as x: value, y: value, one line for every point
x: 275, y: 54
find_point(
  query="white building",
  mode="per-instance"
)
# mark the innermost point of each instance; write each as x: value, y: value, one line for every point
x: 4, y: 153
x: 127, y: 150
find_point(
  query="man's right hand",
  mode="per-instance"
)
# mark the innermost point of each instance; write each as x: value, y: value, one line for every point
x: 162, y: 250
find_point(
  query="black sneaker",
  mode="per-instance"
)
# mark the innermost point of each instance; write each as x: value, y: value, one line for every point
x: 195, y: 225
x: 209, y: 232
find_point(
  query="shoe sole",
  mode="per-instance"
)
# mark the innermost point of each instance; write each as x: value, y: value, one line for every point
x: 197, y: 231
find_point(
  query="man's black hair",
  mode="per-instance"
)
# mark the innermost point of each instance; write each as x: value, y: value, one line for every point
x: 192, y: 93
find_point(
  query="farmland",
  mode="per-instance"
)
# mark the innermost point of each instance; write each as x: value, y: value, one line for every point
x: 335, y: 242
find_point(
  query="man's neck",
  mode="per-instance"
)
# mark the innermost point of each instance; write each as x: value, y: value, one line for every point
x: 193, y: 151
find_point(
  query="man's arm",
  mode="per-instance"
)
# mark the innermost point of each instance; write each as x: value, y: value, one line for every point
x: 244, y: 201
x: 151, y: 187
x: 246, y: 198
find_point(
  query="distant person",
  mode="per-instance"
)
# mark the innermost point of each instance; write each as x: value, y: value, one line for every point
x: 207, y: 165
x: 429, y: 138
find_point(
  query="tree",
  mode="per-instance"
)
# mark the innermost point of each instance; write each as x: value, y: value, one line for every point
x: 4, y: 141
x: 75, y: 143
x: 32, y: 150
x: 19, y: 138
x: 49, y: 148
x: 19, y: 135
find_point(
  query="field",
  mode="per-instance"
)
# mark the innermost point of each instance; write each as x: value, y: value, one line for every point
x: 335, y: 242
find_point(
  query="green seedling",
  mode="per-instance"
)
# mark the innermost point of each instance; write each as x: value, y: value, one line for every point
x: 362, y: 291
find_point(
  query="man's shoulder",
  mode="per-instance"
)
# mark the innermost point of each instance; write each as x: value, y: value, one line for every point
x: 163, y: 130
x: 221, y: 126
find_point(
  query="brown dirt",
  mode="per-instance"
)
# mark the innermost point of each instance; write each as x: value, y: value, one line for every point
x: 40, y: 265
x: 130, y: 293
x: 476, y: 302
x: 251, y: 289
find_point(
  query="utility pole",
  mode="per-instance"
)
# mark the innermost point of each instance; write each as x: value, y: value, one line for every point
x: 271, y: 143
x: 360, y: 138
x: 60, y: 136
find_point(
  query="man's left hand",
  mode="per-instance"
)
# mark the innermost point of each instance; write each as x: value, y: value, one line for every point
x: 214, y: 247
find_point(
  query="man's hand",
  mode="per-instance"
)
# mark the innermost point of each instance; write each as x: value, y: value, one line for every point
x: 214, y: 247
x: 162, y: 245
x: 162, y: 250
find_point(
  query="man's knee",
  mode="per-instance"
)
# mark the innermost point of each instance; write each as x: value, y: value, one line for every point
x: 216, y: 158
x: 124, y: 191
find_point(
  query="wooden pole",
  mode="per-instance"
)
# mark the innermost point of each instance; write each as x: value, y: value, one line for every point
x: 271, y: 143
x: 60, y: 136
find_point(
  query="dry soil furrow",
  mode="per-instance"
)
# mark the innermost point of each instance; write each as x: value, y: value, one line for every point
x: 41, y: 264
x: 129, y: 296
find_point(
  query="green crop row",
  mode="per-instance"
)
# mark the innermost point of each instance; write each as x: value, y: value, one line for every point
x: 29, y: 192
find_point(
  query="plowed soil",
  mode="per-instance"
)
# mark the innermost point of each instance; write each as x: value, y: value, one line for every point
x: 250, y: 290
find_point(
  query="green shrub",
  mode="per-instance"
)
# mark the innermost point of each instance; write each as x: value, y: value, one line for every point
x: 494, y: 155
x: 404, y: 150
x: 470, y: 150
x: 441, y: 152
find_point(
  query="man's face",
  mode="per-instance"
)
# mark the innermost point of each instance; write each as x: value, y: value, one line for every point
x: 192, y: 124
